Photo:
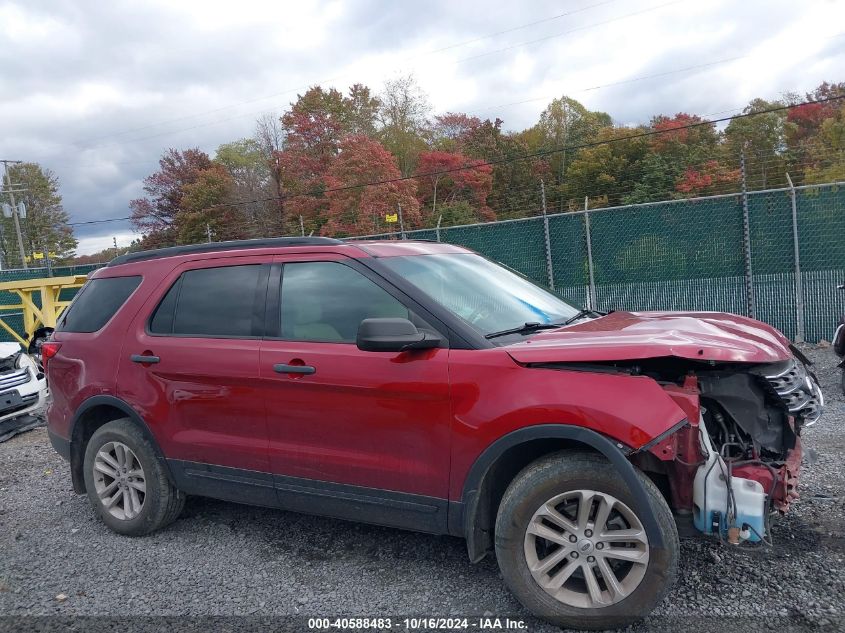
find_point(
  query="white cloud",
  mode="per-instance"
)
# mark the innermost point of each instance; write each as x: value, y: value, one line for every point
x: 97, y: 92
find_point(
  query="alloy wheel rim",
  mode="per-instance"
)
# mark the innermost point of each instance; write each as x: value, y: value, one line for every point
x: 119, y: 481
x: 586, y: 549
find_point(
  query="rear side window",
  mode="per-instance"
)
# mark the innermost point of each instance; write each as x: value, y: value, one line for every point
x: 97, y: 302
x: 226, y: 301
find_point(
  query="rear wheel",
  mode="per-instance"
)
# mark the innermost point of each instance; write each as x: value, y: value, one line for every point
x: 575, y: 552
x: 126, y: 483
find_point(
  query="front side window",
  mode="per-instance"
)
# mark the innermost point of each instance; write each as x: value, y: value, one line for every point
x: 489, y: 297
x: 326, y: 302
x: 97, y: 302
x: 211, y: 302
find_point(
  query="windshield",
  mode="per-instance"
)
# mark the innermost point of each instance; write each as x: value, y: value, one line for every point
x: 488, y: 296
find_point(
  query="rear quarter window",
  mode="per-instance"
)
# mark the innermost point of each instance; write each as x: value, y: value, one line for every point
x: 96, y: 303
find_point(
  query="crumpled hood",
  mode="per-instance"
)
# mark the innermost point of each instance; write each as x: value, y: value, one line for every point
x: 713, y: 336
x: 9, y: 349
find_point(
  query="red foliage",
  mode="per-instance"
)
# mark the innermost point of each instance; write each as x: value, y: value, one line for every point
x: 454, y: 175
x: 700, y: 181
x: 456, y: 127
x: 808, y: 118
x: 359, y: 210
x: 156, y: 212
x: 673, y: 130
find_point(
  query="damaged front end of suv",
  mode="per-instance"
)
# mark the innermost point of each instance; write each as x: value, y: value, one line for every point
x: 746, y: 393
x: 738, y: 457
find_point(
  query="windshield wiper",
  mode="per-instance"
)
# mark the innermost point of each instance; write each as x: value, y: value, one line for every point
x: 525, y: 328
x: 581, y: 314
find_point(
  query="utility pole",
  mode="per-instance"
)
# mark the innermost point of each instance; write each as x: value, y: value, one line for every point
x: 114, y: 241
x: 14, y: 208
x: 208, y: 231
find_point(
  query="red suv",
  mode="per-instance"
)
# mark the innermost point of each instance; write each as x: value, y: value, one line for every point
x: 421, y: 386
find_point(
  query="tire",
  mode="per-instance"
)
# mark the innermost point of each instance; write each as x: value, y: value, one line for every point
x: 641, y: 582
x: 139, y: 500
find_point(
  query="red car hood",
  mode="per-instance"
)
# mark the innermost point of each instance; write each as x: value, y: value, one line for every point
x: 630, y: 335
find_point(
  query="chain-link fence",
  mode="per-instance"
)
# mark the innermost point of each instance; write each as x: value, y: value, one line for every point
x: 776, y: 255
x: 14, y: 318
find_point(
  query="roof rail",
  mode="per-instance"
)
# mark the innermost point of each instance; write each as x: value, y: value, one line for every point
x: 211, y: 247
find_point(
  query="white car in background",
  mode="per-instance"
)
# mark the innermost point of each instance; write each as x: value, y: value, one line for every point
x: 23, y: 389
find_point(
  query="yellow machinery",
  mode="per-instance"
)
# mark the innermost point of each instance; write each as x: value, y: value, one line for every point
x: 49, y: 289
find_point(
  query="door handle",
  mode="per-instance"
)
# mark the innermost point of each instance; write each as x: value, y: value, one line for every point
x: 281, y: 368
x: 142, y: 358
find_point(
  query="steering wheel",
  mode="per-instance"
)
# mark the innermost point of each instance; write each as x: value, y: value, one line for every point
x: 481, y: 312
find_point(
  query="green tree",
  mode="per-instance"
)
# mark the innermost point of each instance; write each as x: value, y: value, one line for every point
x: 828, y: 157
x: 762, y: 139
x: 206, y: 209
x: 252, y: 186
x: 610, y: 171
x: 46, y: 225
x: 563, y: 124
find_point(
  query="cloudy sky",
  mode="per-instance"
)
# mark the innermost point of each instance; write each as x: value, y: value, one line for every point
x: 97, y: 90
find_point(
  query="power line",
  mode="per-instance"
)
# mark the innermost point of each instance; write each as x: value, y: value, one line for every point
x: 575, y: 30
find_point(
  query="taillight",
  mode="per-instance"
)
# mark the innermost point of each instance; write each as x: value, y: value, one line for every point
x: 48, y: 350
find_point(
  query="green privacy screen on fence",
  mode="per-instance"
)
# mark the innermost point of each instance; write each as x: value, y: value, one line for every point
x: 13, y: 317
x: 687, y: 255
x: 676, y: 255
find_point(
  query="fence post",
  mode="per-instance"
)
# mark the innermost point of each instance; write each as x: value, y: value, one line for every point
x: 799, y: 286
x: 591, y: 293
x: 549, y: 268
x: 746, y: 239
x: 401, y: 221
x: 439, y: 220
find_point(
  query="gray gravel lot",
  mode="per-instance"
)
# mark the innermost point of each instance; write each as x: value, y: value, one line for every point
x: 224, y: 559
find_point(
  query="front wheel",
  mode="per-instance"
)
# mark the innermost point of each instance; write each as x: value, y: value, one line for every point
x: 573, y: 549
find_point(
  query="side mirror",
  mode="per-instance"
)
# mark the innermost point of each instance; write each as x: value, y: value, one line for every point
x: 392, y: 335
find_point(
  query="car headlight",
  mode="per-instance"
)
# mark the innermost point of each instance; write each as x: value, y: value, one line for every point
x: 25, y: 362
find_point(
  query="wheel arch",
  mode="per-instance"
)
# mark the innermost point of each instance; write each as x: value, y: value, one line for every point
x: 496, y: 467
x: 90, y: 416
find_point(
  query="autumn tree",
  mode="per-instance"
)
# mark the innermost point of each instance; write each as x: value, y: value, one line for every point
x: 358, y: 210
x: 449, y: 177
x: 450, y: 132
x: 46, y: 226
x: 156, y: 214
x: 515, y: 190
x: 314, y: 128
x: 206, y: 211
x: 684, y: 160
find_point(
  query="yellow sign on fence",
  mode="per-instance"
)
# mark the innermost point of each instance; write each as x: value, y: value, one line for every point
x: 391, y: 218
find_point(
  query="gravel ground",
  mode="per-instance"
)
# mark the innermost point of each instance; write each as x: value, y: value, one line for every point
x: 222, y: 559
